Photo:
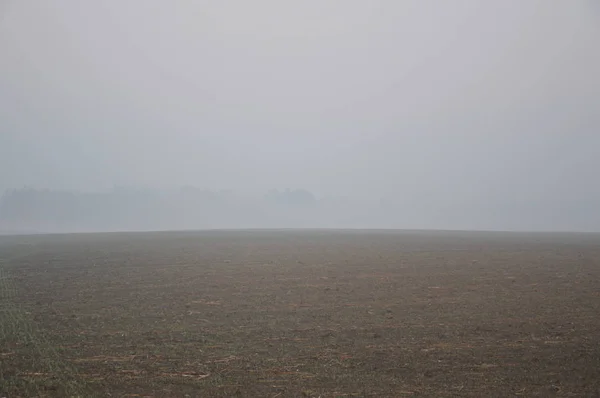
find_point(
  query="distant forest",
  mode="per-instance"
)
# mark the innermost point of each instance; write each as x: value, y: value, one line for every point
x: 31, y: 210
x: 34, y: 210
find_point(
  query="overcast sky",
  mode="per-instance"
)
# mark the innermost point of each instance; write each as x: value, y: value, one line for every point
x: 390, y: 98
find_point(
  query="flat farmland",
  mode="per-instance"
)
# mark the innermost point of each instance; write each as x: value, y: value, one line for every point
x: 300, y: 314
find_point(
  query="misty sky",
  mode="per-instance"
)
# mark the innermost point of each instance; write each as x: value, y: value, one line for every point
x: 415, y: 98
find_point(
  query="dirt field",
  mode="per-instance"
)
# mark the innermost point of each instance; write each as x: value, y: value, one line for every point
x: 300, y: 314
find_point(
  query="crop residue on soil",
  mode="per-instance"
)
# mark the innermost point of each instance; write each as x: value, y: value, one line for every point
x: 300, y: 314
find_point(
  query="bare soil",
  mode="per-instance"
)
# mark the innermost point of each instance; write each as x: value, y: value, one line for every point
x: 300, y: 314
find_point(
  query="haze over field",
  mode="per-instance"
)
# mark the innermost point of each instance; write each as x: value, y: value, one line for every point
x: 391, y: 114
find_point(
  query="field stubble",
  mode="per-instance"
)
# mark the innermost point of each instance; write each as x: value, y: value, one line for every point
x: 300, y: 314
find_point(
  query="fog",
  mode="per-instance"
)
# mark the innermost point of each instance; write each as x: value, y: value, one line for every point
x: 457, y: 114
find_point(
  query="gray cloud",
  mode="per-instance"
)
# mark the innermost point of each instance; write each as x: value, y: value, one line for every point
x: 464, y: 102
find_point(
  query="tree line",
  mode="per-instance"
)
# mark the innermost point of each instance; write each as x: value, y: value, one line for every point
x: 127, y: 208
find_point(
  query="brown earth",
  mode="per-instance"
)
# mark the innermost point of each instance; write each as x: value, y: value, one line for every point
x: 300, y: 314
